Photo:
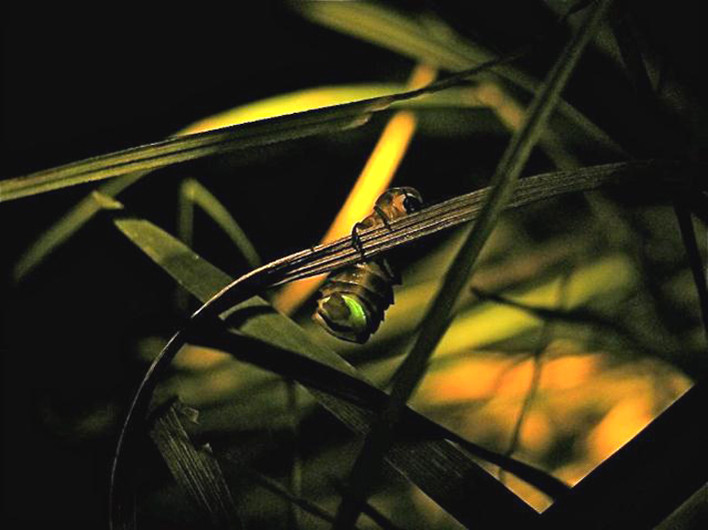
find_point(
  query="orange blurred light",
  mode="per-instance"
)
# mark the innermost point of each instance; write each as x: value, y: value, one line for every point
x: 620, y: 425
x: 477, y: 378
x: 536, y: 432
x: 569, y: 371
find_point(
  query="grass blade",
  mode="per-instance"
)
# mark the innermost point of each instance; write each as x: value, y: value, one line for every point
x: 196, y: 470
x: 298, y: 101
x: 184, y: 148
x: 191, y: 147
x: 438, y: 316
x: 443, y: 48
x: 280, y: 491
x: 326, y: 96
x: 212, y: 286
x: 356, y: 403
x: 195, y: 192
x: 688, y: 237
x: 68, y: 225
x: 653, y: 175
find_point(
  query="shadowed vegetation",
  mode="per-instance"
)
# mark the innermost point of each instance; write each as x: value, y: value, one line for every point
x: 552, y: 305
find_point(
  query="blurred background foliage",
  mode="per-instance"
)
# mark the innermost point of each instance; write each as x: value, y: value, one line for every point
x: 580, y: 325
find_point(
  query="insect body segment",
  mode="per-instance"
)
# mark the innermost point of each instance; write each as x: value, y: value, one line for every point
x: 353, y: 301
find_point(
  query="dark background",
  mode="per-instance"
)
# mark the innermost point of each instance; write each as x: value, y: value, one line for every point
x: 82, y: 83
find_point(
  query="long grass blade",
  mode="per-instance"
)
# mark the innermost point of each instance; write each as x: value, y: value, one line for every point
x: 184, y: 148
x: 578, y: 315
x: 326, y: 96
x: 322, y: 378
x: 438, y: 318
x: 298, y: 101
x: 191, y: 147
x: 443, y: 47
x: 663, y: 176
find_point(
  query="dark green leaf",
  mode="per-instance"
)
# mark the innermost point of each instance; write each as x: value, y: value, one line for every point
x: 196, y: 470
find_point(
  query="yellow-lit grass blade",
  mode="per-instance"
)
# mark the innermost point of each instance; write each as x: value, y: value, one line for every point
x: 374, y: 179
x: 326, y: 96
x: 437, y: 318
x: 184, y: 148
x: 296, y: 102
x: 397, y: 32
x: 433, y: 42
x: 180, y: 149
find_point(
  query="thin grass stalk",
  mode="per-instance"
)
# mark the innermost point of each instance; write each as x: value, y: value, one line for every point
x: 543, y: 341
x: 667, y: 175
x: 191, y: 193
x: 688, y: 237
x: 68, y: 224
x: 635, y: 64
x: 446, y: 49
x: 438, y: 316
x: 294, y: 499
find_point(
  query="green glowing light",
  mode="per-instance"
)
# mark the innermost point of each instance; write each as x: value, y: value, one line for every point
x: 357, y: 316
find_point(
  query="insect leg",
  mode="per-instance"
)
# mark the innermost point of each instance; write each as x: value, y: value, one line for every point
x: 383, y: 217
x: 356, y: 241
